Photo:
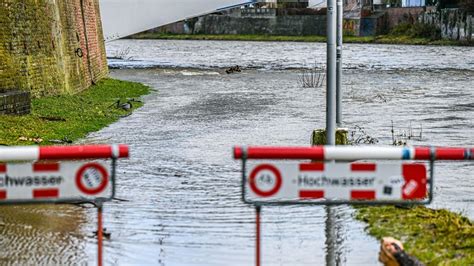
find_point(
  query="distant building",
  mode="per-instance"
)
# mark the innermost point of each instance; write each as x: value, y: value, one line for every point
x: 287, y: 3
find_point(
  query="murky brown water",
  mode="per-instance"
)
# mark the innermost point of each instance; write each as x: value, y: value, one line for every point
x: 183, y: 188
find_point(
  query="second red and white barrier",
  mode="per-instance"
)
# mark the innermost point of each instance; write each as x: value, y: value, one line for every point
x: 353, y: 153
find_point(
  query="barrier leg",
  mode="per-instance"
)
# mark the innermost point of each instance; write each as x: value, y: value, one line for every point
x: 258, y: 257
x: 99, y: 234
x: 330, y: 237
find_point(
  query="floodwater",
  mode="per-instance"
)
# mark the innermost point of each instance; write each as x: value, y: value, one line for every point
x: 180, y: 189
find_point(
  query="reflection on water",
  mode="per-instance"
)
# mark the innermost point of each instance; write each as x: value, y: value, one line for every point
x: 181, y: 186
x: 45, y: 234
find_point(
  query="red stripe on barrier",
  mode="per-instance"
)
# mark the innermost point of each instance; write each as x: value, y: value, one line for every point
x: 450, y: 154
x: 311, y: 167
x: 238, y: 153
x: 311, y: 194
x: 3, y: 168
x: 422, y: 153
x: 46, y: 167
x: 362, y: 195
x: 313, y: 153
x: 3, y: 195
x: 45, y: 193
x: 472, y: 154
x: 363, y: 167
x: 123, y: 151
x: 81, y: 152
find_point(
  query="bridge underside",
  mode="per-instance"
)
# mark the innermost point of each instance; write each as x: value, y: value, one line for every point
x: 121, y: 18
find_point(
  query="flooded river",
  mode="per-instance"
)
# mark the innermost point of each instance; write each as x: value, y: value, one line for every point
x: 181, y: 187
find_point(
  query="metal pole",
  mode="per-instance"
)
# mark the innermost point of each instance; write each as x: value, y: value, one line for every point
x: 257, y: 224
x: 330, y: 237
x: 340, y: 10
x: 331, y: 113
x: 99, y: 235
x: 331, y: 73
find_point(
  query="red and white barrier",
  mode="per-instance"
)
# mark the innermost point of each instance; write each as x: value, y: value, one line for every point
x: 352, y: 153
x: 35, y: 153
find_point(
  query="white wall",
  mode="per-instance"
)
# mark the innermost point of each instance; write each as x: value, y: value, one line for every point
x: 409, y: 3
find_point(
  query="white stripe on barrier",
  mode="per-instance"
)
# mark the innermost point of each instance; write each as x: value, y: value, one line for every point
x: 19, y: 153
x: 115, y: 151
x: 356, y: 153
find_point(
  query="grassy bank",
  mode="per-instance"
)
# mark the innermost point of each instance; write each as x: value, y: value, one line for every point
x: 436, y: 237
x: 66, y: 118
x: 382, y: 39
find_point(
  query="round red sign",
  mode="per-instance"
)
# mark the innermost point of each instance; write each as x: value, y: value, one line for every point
x: 92, y: 178
x: 269, y: 176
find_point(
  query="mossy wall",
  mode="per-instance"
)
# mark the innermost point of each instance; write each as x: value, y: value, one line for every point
x: 50, y: 47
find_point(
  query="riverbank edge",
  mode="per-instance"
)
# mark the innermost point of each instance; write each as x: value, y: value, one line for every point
x: 435, y: 237
x: 382, y: 39
x: 66, y: 118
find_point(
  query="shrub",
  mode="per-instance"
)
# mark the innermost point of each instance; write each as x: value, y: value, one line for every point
x: 417, y: 30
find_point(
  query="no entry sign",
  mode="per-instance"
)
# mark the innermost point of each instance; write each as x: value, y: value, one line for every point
x: 57, y: 182
x: 335, y: 182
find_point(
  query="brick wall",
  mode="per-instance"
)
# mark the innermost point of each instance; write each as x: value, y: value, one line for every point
x: 43, y: 47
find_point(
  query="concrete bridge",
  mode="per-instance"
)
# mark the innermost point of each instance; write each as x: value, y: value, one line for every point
x: 121, y: 18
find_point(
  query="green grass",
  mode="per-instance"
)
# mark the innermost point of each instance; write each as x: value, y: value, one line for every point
x: 224, y: 37
x: 382, y: 39
x: 70, y: 117
x: 436, y: 237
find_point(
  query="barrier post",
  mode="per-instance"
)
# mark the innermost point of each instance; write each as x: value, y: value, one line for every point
x: 258, y: 210
x: 99, y: 234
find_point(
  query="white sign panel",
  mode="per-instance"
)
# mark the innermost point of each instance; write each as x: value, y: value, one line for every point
x: 300, y: 182
x: 46, y: 181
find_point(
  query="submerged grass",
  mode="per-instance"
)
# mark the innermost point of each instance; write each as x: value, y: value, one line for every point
x: 436, y: 237
x: 67, y: 118
x: 382, y: 39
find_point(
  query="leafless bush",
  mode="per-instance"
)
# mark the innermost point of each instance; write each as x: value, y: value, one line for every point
x: 359, y: 136
x: 313, y: 78
x: 402, y: 137
x: 122, y: 54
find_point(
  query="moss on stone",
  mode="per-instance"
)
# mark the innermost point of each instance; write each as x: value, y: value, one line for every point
x: 436, y: 237
x: 319, y: 137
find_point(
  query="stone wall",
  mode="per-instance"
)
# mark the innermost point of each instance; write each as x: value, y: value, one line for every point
x: 279, y: 25
x: 399, y: 15
x: 376, y: 24
x: 50, y: 47
x: 454, y: 24
x: 15, y: 102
